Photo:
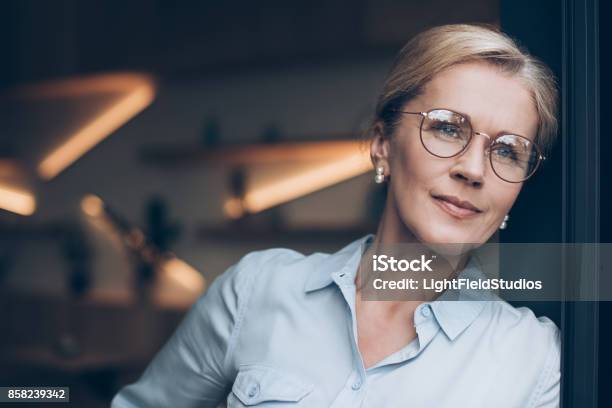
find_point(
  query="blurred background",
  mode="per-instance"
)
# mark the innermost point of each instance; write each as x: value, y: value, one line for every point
x: 146, y: 146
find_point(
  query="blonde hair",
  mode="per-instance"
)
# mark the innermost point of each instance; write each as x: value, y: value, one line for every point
x: 441, y: 47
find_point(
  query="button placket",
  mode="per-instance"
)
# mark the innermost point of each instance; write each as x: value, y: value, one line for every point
x: 350, y: 394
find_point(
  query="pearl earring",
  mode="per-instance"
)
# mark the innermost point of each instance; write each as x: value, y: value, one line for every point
x: 380, y: 174
x: 504, y: 223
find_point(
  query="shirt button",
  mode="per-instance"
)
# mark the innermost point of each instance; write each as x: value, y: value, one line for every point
x: 253, y: 390
x: 426, y: 311
x: 356, y: 385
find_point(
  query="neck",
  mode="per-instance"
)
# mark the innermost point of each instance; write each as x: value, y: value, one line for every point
x: 391, y: 229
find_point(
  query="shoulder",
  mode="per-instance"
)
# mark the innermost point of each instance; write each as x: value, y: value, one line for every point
x: 264, y: 270
x: 534, y: 345
x: 521, y: 323
x: 245, y: 285
x: 282, y: 271
x: 519, y: 328
x: 271, y: 262
x: 530, y: 344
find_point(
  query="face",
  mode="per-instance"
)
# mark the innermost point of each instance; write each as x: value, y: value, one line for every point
x: 493, y: 102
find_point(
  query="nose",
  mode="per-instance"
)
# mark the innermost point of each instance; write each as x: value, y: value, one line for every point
x: 470, y: 166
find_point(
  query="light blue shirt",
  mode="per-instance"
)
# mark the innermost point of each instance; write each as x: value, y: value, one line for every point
x: 278, y: 329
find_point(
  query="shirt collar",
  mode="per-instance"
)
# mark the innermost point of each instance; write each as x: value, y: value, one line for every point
x: 347, y: 259
x: 454, y: 310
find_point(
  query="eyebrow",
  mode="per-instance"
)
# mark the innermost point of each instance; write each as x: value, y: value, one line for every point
x: 495, y: 135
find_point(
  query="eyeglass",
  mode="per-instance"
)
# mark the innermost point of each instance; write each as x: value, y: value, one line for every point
x: 445, y: 133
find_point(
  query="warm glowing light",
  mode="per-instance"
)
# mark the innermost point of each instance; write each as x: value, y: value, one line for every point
x: 18, y: 201
x: 9, y: 168
x: 232, y: 208
x: 92, y: 205
x: 313, y: 178
x: 138, y: 94
x: 183, y: 275
x: 177, y: 284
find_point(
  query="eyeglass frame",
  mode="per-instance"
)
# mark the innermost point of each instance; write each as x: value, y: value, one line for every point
x: 424, y: 115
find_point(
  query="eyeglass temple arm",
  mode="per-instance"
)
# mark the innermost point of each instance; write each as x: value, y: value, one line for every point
x: 415, y: 113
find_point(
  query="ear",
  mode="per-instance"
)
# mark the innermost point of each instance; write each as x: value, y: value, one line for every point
x: 380, y: 148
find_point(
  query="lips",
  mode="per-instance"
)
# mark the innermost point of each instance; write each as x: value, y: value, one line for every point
x: 456, y: 207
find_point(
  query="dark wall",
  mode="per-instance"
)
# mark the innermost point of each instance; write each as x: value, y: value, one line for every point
x: 176, y: 39
x: 537, y: 214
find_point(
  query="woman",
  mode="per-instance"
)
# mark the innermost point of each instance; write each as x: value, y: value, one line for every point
x: 460, y: 125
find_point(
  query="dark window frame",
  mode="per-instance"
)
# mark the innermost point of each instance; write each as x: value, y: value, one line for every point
x: 581, y: 197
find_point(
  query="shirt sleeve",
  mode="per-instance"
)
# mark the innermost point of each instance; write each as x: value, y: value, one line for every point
x: 549, y: 387
x: 191, y: 368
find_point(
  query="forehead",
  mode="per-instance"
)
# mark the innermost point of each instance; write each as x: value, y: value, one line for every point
x: 493, y: 100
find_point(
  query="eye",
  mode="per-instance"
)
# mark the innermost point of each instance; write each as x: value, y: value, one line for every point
x: 506, y: 152
x: 447, y: 129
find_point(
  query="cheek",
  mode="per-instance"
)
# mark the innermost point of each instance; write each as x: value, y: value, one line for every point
x: 502, y: 197
x: 414, y: 173
x: 411, y: 163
